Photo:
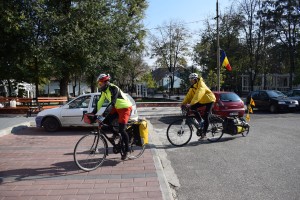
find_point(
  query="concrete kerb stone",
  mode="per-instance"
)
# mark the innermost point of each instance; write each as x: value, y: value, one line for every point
x: 163, y: 166
x: 16, y: 128
x: 154, y: 112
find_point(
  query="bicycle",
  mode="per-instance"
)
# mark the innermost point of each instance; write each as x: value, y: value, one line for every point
x: 179, y: 132
x: 92, y: 149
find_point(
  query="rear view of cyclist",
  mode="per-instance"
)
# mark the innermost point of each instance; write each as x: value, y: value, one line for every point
x: 119, y: 104
x: 199, y: 95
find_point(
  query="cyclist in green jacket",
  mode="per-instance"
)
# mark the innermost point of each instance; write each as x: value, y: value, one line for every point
x: 120, y: 104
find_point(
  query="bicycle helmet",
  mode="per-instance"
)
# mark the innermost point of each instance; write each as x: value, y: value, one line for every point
x: 103, y: 77
x: 103, y: 80
x: 193, y: 76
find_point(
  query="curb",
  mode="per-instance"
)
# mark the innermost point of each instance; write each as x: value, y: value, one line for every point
x: 14, y: 129
x: 163, y: 182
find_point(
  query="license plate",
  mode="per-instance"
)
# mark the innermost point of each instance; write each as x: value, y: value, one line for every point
x: 233, y: 114
x: 292, y: 105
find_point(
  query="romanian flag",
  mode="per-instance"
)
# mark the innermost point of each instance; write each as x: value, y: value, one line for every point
x: 224, y: 60
x: 252, y: 103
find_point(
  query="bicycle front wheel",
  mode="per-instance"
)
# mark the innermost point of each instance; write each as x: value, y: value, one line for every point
x: 179, y: 132
x: 90, y: 152
x: 215, y: 129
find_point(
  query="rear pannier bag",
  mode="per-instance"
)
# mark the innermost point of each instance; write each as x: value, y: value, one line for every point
x: 140, y: 132
x: 233, y: 125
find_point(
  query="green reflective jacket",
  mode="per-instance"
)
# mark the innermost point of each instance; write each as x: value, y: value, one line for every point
x: 114, y: 95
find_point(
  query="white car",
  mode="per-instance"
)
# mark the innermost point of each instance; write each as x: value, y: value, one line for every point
x: 71, y: 113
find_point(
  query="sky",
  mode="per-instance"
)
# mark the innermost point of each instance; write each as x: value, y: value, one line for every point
x: 160, y: 11
x: 191, y: 12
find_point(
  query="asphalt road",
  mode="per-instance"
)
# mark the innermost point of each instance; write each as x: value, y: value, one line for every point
x: 264, y: 165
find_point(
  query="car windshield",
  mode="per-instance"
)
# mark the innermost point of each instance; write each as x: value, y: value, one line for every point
x: 229, y: 97
x: 274, y: 93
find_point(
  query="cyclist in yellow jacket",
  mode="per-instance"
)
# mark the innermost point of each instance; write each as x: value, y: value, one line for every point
x: 199, y: 95
x: 120, y: 104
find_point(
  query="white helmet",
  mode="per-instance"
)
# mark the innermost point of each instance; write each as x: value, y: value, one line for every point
x: 193, y: 76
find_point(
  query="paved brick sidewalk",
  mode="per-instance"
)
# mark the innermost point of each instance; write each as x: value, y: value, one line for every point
x: 39, y: 165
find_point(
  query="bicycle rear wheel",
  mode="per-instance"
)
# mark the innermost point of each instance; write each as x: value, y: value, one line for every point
x: 90, y: 152
x: 215, y: 129
x: 179, y: 132
x: 136, y: 150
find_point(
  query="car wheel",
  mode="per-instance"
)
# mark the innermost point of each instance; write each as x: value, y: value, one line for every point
x: 51, y: 124
x: 273, y: 108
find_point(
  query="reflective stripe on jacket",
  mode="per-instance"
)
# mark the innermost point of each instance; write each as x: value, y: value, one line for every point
x: 114, y: 95
x: 199, y: 93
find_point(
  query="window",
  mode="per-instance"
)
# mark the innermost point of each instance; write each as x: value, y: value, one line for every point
x: 96, y: 99
x: 81, y: 102
x: 230, y: 97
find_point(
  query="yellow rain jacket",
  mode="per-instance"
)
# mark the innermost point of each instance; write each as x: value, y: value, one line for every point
x: 199, y: 93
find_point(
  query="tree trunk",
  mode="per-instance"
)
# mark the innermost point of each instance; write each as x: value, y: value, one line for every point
x: 36, y: 79
x: 292, y: 67
x: 63, y: 85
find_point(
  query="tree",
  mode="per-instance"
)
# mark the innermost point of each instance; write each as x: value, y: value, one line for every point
x: 69, y: 38
x: 283, y: 21
x: 170, y: 46
x: 148, y: 79
x: 204, y: 52
x: 253, y: 34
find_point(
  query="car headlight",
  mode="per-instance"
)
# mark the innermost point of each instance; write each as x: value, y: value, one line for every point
x: 281, y: 102
x: 297, y: 102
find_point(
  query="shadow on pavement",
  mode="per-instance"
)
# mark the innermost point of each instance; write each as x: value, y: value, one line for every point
x: 24, y: 130
x: 193, y: 143
x: 60, y: 170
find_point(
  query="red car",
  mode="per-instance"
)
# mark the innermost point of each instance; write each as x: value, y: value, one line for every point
x: 227, y: 104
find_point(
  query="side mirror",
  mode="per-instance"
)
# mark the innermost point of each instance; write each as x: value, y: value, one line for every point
x: 67, y: 106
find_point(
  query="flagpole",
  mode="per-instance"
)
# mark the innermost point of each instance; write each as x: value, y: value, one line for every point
x: 218, y: 48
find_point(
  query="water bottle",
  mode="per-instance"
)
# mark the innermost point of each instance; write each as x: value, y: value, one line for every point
x: 201, y: 123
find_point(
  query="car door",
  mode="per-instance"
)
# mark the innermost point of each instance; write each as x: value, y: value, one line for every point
x: 264, y: 100
x: 71, y: 115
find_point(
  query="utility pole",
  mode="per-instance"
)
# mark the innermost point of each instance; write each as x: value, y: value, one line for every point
x: 218, y: 48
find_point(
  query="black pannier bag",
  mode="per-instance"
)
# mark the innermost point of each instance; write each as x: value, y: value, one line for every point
x: 234, y: 125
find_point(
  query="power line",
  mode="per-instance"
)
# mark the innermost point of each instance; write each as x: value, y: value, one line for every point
x: 186, y: 23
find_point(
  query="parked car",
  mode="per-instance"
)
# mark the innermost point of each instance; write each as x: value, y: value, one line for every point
x: 227, y: 104
x: 272, y: 100
x: 294, y: 94
x: 71, y: 113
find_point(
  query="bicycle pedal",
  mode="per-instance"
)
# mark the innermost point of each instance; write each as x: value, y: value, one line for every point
x: 199, y: 132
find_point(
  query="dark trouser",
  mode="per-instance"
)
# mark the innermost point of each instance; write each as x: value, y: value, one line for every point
x: 207, y: 112
x: 125, y: 138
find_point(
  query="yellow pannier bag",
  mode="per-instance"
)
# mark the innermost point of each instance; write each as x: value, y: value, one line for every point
x: 143, y: 129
